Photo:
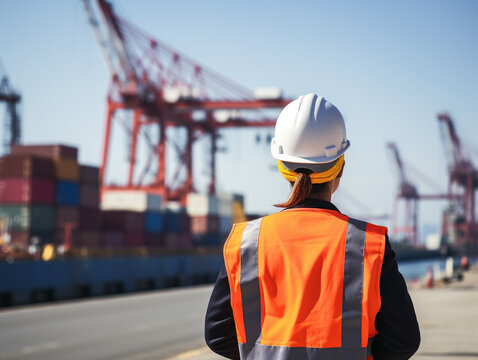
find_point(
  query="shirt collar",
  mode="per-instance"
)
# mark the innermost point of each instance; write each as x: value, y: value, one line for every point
x: 317, y: 204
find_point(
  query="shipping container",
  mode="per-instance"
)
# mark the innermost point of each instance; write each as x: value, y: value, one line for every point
x: 90, y: 239
x: 153, y: 240
x: 67, y: 193
x: 225, y: 224
x: 225, y: 204
x: 130, y: 200
x: 208, y: 240
x: 171, y: 240
x: 67, y: 170
x: 89, y: 196
x: 154, y: 222
x: 177, y: 241
x: 184, y: 223
x: 27, y: 191
x: 22, y: 166
x: 202, y: 205
x: 127, y: 221
x: 185, y: 241
x: 35, y: 218
x: 56, y: 151
x: 204, y: 224
x: 67, y: 215
x: 171, y: 221
x: 113, y: 239
x: 89, y: 175
x: 134, y: 240
x: 90, y: 219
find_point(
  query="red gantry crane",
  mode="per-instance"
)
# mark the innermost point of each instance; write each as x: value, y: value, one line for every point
x: 165, y: 89
x: 463, y: 182
x: 408, y: 192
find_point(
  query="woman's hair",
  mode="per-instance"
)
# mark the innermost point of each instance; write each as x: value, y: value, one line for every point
x: 302, y: 188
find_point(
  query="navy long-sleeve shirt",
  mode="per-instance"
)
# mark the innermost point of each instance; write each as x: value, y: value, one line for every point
x: 398, y: 335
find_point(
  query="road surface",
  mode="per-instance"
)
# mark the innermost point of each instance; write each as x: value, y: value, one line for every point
x: 155, y: 325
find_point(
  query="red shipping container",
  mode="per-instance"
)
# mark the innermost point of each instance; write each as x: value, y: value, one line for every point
x: 185, y: 241
x: 27, y: 191
x: 24, y: 166
x: 67, y: 215
x: 90, y: 239
x: 56, y: 151
x: 89, y: 196
x: 153, y: 240
x: 89, y: 175
x: 171, y: 241
x: 127, y: 221
x: 134, y: 240
x: 113, y: 239
x: 90, y: 219
x: 204, y: 224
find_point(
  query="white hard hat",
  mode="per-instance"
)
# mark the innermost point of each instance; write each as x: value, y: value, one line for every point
x: 309, y: 130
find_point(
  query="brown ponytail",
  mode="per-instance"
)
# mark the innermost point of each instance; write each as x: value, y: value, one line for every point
x: 301, y: 190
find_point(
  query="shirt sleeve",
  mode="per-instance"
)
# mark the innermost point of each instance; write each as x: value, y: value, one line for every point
x: 220, y: 329
x: 398, y: 335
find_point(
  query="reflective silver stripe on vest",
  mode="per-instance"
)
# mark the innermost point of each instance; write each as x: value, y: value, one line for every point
x: 351, y: 304
x: 353, y: 284
x: 250, y: 291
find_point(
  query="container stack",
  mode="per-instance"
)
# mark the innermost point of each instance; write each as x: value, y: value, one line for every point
x: 90, y: 217
x: 27, y: 195
x: 66, y: 176
x: 203, y: 210
x: 129, y: 219
x: 177, y: 235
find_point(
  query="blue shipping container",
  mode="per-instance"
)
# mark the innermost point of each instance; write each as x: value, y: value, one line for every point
x: 67, y: 193
x: 171, y: 222
x: 154, y: 222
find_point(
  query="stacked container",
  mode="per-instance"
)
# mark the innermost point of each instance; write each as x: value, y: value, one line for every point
x: 132, y: 219
x: 90, y: 216
x: 27, y: 194
x: 66, y: 174
x: 177, y: 235
x: 203, y: 210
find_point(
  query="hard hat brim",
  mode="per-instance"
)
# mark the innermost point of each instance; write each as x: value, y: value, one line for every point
x: 306, y: 160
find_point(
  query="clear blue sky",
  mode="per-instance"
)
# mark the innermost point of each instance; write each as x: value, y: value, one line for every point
x: 390, y: 67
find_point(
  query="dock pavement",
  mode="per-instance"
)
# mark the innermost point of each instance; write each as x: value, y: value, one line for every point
x: 448, y: 317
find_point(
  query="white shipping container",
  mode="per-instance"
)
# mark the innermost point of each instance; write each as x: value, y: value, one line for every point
x: 202, y: 205
x: 130, y: 200
x: 225, y: 204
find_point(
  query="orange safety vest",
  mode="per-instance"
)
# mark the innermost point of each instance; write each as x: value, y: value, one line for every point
x: 305, y: 284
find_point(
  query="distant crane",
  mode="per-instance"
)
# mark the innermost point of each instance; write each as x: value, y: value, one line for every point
x: 462, y: 184
x: 166, y: 90
x: 408, y: 192
x: 12, y: 134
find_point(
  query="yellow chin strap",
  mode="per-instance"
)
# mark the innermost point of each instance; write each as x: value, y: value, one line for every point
x: 315, y: 178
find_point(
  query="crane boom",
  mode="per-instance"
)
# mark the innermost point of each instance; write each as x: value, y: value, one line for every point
x: 166, y: 89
